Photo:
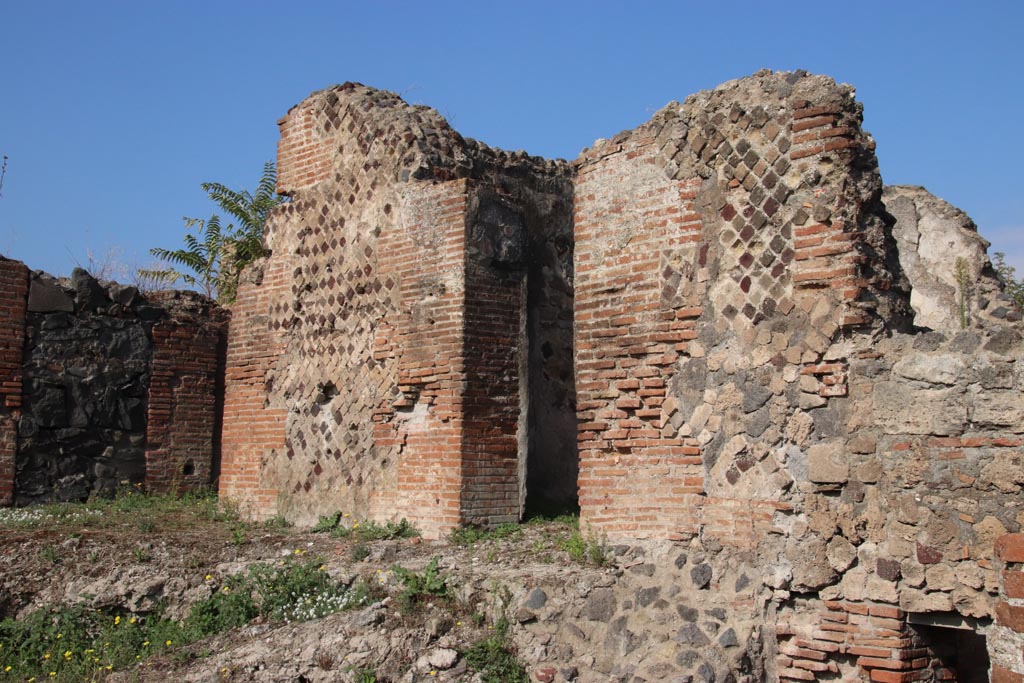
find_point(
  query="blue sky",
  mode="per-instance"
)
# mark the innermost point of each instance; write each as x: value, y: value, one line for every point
x: 113, y: 113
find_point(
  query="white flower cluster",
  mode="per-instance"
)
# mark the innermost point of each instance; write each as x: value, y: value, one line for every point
x: 313, y: 606
x: 36, y: 515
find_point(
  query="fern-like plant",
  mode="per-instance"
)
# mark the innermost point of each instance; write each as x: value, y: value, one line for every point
x: 214, y: 255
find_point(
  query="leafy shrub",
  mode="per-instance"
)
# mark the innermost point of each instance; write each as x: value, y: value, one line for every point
x: 494, y: 660
x: 419, y: 586
x: 585, y: 549
x: 327, y: 523
x: 365, y: 531
x: 79, y: 643
x: 231, y: 606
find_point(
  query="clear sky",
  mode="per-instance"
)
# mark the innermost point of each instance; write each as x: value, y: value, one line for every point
x: 113, y: 113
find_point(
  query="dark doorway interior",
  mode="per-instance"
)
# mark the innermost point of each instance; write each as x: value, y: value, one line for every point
x: 552, y: 467
x: 958, y: 650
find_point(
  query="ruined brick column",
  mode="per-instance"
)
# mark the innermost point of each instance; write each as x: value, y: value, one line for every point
x: 13, y: 299
x: 378, y: 352
x: 183, y: 405
x: 728, y: 217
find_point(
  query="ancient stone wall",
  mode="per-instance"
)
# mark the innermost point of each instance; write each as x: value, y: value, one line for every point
x: 381, y: 348
x: 104, y: 387
x: 795, y: 397
x: 751, y: 381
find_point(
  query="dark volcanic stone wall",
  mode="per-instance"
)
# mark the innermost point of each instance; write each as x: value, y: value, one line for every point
x: 87, y: 374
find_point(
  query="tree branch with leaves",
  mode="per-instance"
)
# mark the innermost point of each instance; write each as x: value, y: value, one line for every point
x: 215, y: 254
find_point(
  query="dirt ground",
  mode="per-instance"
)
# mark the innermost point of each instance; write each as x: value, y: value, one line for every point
x: 139, y: 554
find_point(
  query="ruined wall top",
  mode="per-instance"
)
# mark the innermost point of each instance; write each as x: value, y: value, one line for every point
x: 400, y: 140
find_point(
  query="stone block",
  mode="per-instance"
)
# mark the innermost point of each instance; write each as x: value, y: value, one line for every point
x: 47, y: 296
x: 1010, y: 547
x: 825, y: 464
x: 903, y: 409
x: 945, y: 369
x: 914, y: 600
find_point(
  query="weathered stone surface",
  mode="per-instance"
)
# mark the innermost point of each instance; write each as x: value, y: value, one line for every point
x: 943, y: 256
x: 600, y: 605
x: 45, y: 295
x: 1000, y: 409
x: 825, y: 464
x: 914, y: 600
x: 811, y: 569
x: 935, y: 368
x: 902, y: 409
x: 841, y: 554
x: 535, y: 599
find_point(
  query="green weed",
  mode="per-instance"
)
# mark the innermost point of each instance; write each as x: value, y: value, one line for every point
x: 50, y: 554
x: 420, y: 586
x: 493, y: 658
x: 585, y: 549
x: 79, y: 643
x: 367, y: 531
x: 471, y: 535
x: 362, y: 674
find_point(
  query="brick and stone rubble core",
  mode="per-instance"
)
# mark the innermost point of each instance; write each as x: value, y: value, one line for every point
x: 799, y: 392
x: 102, y: 387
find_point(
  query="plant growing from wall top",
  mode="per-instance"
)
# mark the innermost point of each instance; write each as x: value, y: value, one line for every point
x: 963, y: 284
x: 215, y: 254
x: 1008, y: 276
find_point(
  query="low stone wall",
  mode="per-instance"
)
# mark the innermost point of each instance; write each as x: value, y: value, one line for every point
x: 104, y: 387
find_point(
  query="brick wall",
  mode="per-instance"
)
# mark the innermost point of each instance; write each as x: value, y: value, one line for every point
x: 858, y: 639
x: 637, y: 478
x: 183, y: 411
x: 13, y: 296
x: 356, y: 361
x: 252, y: 429
x: 304, y: 149
x: 1008, y: 656
x: 747, y: 385
x: 495, y: 348
x: 424, y: 422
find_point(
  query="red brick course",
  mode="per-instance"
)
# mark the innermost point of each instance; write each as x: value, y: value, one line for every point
x: 183, y: 408
x: 14, y: 277
x: 251, y: 428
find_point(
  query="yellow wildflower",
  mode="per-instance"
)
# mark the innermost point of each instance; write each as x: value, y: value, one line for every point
x: 46, y: 656
x: 132, y: 620
x: 209, y: 577
x: 167, y: 643
x: 117, y: 620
